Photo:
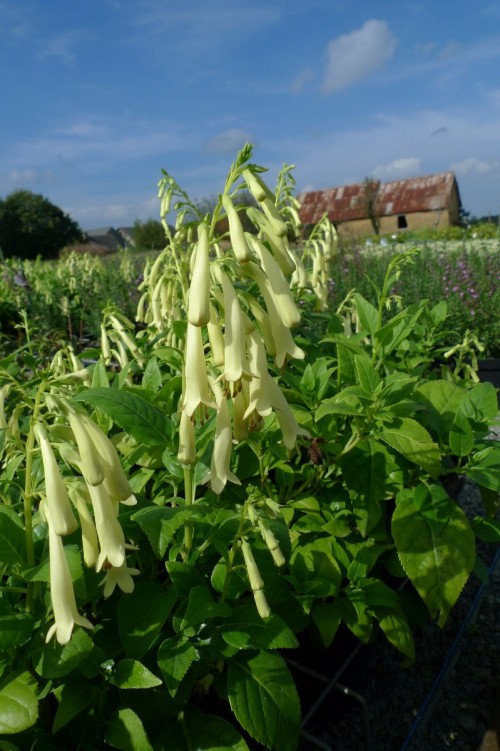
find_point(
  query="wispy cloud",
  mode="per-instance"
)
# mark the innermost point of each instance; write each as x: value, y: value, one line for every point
x: 227, y: 142
x: 301, y: 79
x: 356, y: 56
x: 398, y: 169
x: 61, y: 46
x: 475, y: 166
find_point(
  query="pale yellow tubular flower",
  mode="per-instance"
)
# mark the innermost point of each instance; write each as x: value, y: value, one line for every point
x: 288, y: 424
x: 238, y: 241
x: 271, y: 543
x: 278, y: 283
x: 299, y: 276
x: 255, y: 579
x: 199, y: 290
x: 81, y: 498
x: 91, y: 464
x: 259, y: 395
x: 278, y: 244
x: 196, y: 388
x: 256, y: 186
x: 240, y: 403
x: 62, y: 517
x: 275, y: 219
x: 283, y: 340
x: 187, y: 447
x: 62, y: 595
x: 109, y: 531
x: 120, y: 576
x: 220, y: 473
x: 105, y: 346
x: 215, y: 338
x: 115, y: 479
x: 234, y: 335
x: 127, y: 339
x: 262, y: 319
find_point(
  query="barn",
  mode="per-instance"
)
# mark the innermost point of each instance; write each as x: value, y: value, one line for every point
x: 416, y: 203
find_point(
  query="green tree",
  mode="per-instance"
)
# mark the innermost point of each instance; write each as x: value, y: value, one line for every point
x: 31, y: 226
x: 369, y: 201
x: 149, y: 235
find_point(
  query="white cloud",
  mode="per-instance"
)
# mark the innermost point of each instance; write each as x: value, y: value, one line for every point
x: 61, y: 46
x: 474, y: 166
x: 399, y: 168
x: 355, y: 56
x: 301, y: 79
x: 228, y: 141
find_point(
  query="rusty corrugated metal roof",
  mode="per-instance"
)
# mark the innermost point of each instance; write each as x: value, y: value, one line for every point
x: 428, y: 193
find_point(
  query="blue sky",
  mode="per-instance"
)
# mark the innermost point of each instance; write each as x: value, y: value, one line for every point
x: 99, y: 95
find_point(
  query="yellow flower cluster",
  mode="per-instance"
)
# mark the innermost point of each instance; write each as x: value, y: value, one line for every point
x: 238, y: 332
x: 95, y: 495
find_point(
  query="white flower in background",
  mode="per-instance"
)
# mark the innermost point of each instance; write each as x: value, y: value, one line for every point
x: 234, y: 335
x: 277, y: 282
x: 288, y: 424
x: 66, y: 615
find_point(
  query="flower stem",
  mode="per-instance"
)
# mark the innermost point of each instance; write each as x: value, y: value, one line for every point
x: 189, y: 500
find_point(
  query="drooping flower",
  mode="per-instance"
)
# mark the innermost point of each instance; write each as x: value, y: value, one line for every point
x: 259, y: 395
x: 81, y: 498
x: 109, y: 531
x: 234, y: 335
x: 278, y: 283
x: 62, y: 517
x: 187, y: 449
x: 220, y: 472
x: 199, y: 290
x: 196, y: 388
x: 288, y: 424
x: 66, y: 615
x: 120, y: 576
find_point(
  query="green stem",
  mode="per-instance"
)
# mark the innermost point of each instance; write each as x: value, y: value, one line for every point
x: 232, y: 553
x: 189, y: 500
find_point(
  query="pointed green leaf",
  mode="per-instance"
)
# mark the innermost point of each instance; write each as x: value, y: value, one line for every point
x: 245, y: 629
x: 461, y: 435
x: 12, y: 538
x: 132, y: 413
x: 367, y: 376
x: 125, y: 731
x: 485, y: 473
x: 365, y: 470
x: 160, y: 523
x: 200, y: 732
x: 151, y: 380
x: 15, y: 629
x: 18, y: 703
x: 202, y: 606
x: 141, y: 615
x: 73, y: 698
x: 55, y: 660
x: 435, y: 545
x: 410, y: 439
x: 175, y: 657
x: 264, y: 699
x: 132, y: 674
x: 367, y: 314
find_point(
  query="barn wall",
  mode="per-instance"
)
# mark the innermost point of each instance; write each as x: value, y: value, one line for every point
x: 389, y: 224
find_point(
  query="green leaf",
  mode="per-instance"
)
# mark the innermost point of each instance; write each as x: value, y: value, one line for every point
x: 435, y: 545
x: 367, y: 376
x: 201, y: 606
x: 132, y: 413
x: 100, y: 375
x: 55, y: 660
x: 397, y: 630
x: 486, y: 473
x: 175, y: 657
x: 367, y: 314
x: 245, y: 629
x: 151, y: 380
x: 12, y: 538
x: 73, y: 698
x: 125, y: 731
x: 410, y: 439
x: 141, y: 615
x: 15, y: 629
x: 160, y: 523
x: 326, y: 618
x: 199, y: 732
x: 264, y: 699
x: 366, y: 469
x: 485, y: 529
x: 442, y: 400
x: 315, y: 568
x: 132, y: 674
x: 18, y: 703
x: 461, y: 436
x: 480, y: 403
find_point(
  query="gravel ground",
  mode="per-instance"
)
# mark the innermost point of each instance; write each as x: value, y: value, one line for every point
x: 425, y: 707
